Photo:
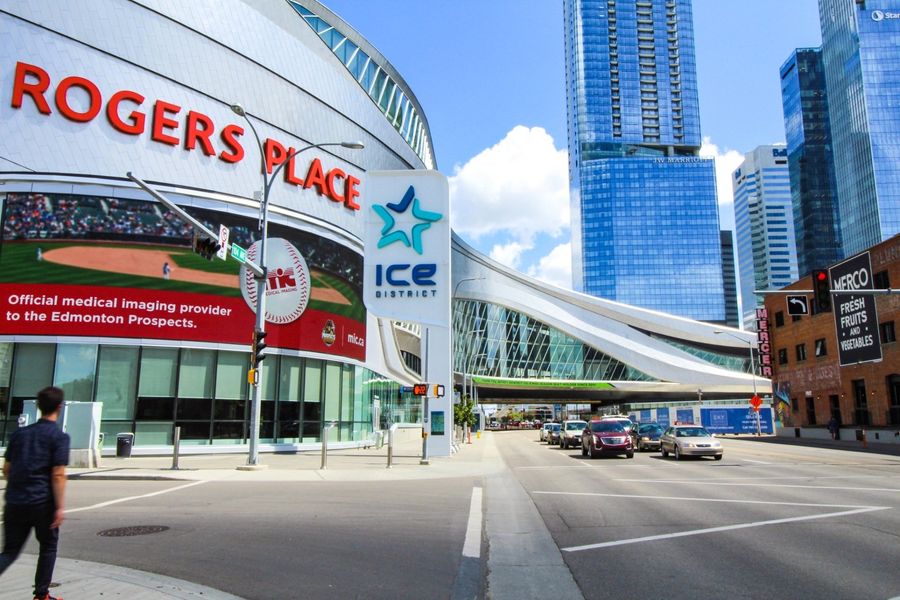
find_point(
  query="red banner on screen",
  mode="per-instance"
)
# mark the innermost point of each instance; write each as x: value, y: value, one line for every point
x: 78, y: 310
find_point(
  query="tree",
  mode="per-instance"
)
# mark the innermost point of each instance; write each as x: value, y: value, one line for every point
x: 464, y: 414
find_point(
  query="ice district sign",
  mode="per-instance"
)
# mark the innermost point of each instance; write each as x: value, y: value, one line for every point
x: 407, y: 260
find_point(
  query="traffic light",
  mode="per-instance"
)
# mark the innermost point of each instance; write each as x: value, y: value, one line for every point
x: 821, y: 290
x: 206, y: 247
x: 257, y: 347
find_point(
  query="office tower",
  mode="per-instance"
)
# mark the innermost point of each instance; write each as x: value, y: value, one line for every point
x: 645, y: 227
x: 729, y: 279
x: 861, y: 51
x: 810, y: 160
x: 764, y: 225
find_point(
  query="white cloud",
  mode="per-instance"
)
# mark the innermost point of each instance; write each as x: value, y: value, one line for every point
x: 520, y: 187
x: 726, y: 162
x: 556, y: 267
x: 509, y: 254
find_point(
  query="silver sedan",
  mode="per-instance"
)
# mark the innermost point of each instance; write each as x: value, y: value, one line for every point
x: 689, y: 440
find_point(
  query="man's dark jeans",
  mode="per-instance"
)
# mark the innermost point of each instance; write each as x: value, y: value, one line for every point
x: 18, y: 520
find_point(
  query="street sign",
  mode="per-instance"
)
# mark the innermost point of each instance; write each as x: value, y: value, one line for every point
x: 238, y: 253
x: 797, y: 305
x: 223, y: 242
x: 756, y: 402
x: 855, y: 317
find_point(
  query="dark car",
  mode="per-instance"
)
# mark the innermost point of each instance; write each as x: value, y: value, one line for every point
x: 606, y: 437
x: 552, y: 435
x: 646, y: 436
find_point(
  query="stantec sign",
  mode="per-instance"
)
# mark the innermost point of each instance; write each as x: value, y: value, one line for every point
x: 80, y: 100
x: 883, y: 15
x: 407, y: 261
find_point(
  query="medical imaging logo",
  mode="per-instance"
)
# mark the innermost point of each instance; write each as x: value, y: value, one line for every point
x: 328, y: 333
x: 287, y: 281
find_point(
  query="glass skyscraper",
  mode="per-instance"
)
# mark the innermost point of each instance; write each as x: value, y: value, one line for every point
x: 861, y: 51
x: 764, y: 226
x: 810, y: 160
x: 645, y: 227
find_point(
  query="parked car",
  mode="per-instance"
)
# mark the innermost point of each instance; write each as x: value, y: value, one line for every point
x: 689, y: 440
x: 606, y: 437
x: 552, y: 435
x: 544, y: 429
x: 646, y: 436
x: 570, y: 433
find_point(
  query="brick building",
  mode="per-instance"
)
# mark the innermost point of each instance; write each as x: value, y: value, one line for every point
x: 806, y: 367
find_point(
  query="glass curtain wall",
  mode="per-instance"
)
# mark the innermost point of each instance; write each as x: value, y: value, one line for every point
x: 494, y: 341
x: 149, y: 390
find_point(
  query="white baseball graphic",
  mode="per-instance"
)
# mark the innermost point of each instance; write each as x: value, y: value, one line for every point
x: 287, y: 285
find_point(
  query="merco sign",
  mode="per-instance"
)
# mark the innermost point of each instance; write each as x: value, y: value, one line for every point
x: 80, y: 100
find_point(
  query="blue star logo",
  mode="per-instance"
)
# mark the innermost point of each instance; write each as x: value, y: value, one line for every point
x: 414, y: 238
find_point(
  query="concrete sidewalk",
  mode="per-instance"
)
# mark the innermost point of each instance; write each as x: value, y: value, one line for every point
x: 342, y: 465
x: 82, y: 580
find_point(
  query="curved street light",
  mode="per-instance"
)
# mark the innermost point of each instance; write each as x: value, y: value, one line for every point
x: 253, y: 456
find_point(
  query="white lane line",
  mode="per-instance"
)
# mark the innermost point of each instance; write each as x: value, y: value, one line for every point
x: 773, y: 478
x: 652, y: 538
x: 472, y: 545
x: 718, y: 500
x: 579, y: 466
x: 774, y: 485
x: 129, y: 498
x: 758, y: 462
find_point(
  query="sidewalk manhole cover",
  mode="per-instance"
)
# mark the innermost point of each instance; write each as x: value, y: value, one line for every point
x: 133, y: 530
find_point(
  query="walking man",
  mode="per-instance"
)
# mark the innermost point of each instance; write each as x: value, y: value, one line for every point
x: 35, y: 473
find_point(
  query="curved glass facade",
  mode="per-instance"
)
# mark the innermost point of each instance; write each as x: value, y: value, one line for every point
x: 495, y: 341
x: 391, y: 100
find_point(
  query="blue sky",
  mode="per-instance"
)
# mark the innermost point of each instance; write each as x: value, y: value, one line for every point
x: 490, y: 77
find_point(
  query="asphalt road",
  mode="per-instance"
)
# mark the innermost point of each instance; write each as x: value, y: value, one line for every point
x: 768, y: 521
x: 280, y: 540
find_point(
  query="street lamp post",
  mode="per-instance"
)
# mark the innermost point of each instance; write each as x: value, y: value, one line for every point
x: 752, y: 373
x: 256, y: 403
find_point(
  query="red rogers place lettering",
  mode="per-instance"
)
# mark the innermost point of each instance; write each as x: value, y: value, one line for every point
x: 169, y: 124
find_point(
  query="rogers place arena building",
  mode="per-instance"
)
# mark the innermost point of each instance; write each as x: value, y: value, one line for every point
x: 103, y: 296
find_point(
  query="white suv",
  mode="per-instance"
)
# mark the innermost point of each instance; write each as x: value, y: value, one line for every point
x: 570, y: 433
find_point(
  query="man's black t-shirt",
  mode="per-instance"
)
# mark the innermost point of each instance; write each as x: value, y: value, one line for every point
x: 32, y: 452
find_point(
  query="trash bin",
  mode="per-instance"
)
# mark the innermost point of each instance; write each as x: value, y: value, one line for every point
x: 124, y: 442
x: 860, y: 435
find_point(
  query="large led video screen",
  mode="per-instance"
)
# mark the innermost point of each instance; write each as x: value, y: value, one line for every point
x: 109, y: 267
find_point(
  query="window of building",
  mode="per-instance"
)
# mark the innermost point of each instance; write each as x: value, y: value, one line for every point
x: 860, y: 401
x: 882, y: 280
x: 782, y: 356
x: 779, y: 319
x: 801, y: 352
x: 811, y: 411
x: 795, y: 404
x: 76, y: 365
x: 117, y: 373
x: 887, y: 332
x: 821, y: 347
x: 893, y: 389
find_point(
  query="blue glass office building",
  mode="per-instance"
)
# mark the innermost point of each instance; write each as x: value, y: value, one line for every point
x: 810, y: 160
x: 645, y: 221
x: 861, y: 50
